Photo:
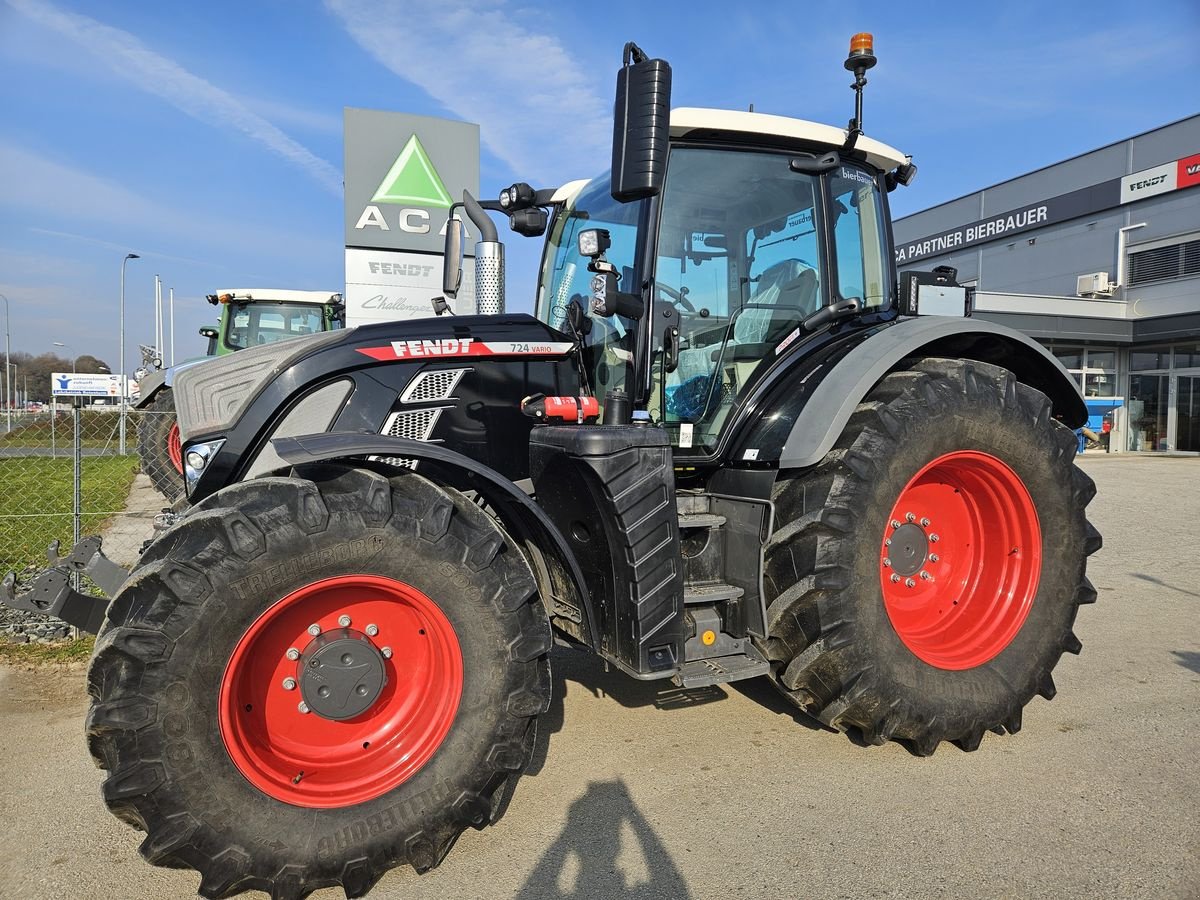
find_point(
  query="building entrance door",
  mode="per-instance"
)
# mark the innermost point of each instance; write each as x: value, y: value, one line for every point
x: 1148, y: 406
x: 1187, y: 413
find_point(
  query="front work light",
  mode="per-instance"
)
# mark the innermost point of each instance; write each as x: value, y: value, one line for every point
x: 517, y: 196
x: 593, y: 242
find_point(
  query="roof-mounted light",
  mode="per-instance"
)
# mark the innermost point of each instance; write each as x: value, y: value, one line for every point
x: 862, y: 44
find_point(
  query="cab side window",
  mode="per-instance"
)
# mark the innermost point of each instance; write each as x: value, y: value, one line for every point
x: 859, y: 237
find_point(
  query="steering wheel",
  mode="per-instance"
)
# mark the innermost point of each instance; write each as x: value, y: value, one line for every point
x: 679, y: 296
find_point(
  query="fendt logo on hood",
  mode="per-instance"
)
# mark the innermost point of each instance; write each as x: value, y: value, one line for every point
x: 413, y: 182
x: 465, y: 347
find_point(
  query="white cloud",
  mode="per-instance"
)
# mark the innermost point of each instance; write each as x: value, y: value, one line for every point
x: 538, y: 110
x: 154, y: 73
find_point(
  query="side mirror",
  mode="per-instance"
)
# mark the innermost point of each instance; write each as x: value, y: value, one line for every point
x: 209, y: 332
x: 641, y: 126
x: 452, y: 260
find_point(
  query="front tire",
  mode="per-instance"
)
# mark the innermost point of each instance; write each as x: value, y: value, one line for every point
x: 924, y: 579
x: 199, y: 678
x: 159, y: 448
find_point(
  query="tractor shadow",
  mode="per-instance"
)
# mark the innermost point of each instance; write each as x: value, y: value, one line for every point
x: 1161, y: 583
x: 585, y: 669
x: 1189, y: 659
x: 606, y: 849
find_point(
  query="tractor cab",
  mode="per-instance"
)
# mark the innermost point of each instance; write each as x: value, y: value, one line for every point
x: 724, y: 269
x: 255, y: 318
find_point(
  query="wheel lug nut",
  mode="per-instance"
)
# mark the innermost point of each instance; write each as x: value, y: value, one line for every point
x: 924, y: 523
x: 314, y: 629
x: 888, y: 542
x: 925, y: 576
x: 293, y: 654
x: 934, y: 538
x: 886, y: 561
x: 302, y: 706
x: 909, y: 517
x: 908, y: 582
x: 289, y: 684
x: 387, y: 652
x: 895, y: 578
x: 895, y: 524
x: 372, y: 630
x: 344, y: 621
x: 933, y: 557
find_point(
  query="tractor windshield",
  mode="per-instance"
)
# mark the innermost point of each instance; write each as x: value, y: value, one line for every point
x: 258, y: 323
x: 609, y: 343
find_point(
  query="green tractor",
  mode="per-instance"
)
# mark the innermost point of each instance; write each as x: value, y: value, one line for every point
x: 249, y: 318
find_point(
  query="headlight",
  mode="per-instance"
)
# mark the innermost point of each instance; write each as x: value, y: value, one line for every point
x: 195, y: 460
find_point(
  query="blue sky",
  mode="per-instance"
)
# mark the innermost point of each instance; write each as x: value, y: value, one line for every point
x: 207, y: 137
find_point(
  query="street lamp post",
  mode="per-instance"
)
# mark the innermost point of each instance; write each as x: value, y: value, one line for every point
x: 123, y: 390
x: 7, y: 371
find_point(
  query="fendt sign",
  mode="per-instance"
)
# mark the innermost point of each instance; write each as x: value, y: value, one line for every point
x: 403, y: 173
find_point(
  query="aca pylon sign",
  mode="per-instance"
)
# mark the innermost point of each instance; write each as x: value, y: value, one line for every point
x: 413, y: 180
x: 403, y: 173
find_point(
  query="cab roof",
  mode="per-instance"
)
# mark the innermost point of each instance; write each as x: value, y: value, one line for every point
x: 281, y: 295
x: 690, y: 121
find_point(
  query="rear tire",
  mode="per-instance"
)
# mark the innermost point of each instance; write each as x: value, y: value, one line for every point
x: 158, y: 446
x: 925, y: 651
x: 193, y: 721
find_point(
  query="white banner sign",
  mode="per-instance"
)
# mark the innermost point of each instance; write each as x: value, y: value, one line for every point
x: 387, y: 285
x: 70, y: 384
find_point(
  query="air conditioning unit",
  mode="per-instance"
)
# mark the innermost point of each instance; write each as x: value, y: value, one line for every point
x: 1095, y: 284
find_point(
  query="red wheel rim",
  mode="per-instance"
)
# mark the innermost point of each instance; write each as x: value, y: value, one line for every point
x: 960, y: 560
x: 271, y: 741
x: 174, y: 449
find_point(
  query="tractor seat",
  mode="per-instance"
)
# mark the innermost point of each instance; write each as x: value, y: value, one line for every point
x: 787, y: 293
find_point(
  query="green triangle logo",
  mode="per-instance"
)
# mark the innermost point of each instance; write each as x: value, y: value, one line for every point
x: 413, y: 179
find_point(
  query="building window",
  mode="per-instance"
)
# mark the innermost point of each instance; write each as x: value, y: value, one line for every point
x: 1145, y: 358
x: 1187, y: 356
x: 1070, y: 357
x: 1165, y: 263
x: 1094, y: 371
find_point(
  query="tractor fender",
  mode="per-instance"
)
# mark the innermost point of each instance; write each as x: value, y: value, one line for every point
x: 801, y: 420
x: 564, y: 589
x: 156, y: 381
x: 149, y: 387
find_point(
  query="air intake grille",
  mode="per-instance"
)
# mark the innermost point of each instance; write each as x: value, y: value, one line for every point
x: 430, y: 387
x: 414, y: 424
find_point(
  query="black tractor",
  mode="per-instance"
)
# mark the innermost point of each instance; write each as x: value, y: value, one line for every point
x: 732, y: 442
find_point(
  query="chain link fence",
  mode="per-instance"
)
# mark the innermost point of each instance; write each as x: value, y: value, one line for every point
x: 66, y: 474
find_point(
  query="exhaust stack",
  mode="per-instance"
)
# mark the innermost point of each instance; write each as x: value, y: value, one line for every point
x: 489, y: 261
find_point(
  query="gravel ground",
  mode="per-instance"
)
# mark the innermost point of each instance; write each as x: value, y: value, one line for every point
x: 727, y: 793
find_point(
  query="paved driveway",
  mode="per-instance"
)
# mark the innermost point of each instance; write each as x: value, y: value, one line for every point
x: 727, y: 793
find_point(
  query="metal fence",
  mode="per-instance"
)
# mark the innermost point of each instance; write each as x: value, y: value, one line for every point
x: 63, y: 477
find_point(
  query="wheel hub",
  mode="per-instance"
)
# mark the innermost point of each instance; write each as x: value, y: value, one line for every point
x: 341, y: 674
x: 961, y: 559
x: 908, y: 549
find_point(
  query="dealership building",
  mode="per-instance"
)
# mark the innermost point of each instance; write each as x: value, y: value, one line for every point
x: 1098, y: 258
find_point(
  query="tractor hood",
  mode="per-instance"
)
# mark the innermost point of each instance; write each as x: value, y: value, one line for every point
x: 211, y: 398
